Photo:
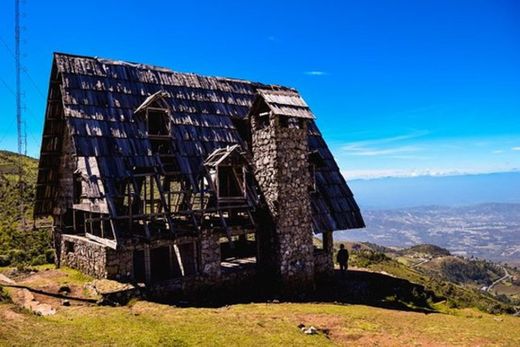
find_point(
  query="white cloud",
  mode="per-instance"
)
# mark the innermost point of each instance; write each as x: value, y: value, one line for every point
x: 498, y: 151
x: 379, y: 147
x: 386, y: 140
x: 372, y: 152
x: 315, y: 73
x: 517, y: 148
x: 381, y: 173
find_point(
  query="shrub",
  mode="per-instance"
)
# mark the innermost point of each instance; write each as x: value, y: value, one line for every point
x: 5, y: 260
x: 49, y: 255
x: 17, y: 256
x: 4, y: 296
x: 39, y: 260
x: 366, y: 257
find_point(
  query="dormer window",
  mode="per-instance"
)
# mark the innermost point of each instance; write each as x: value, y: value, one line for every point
x: 226, y: 169
x: 155, y: 112
x: 230, y: 182
x: 158, y: 122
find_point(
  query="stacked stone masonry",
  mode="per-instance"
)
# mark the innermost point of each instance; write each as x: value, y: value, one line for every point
x: 282, y: 171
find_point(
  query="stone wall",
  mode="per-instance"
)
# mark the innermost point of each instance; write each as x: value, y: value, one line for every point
x: 95, y: 259
x: 119, y: 264
x: 323, y: 265
x: 87, y: 256
x: 99, y: 261
x: 209, y: 254
x: 324, y: 258
x: 282, y: 170
x: 202, y: 261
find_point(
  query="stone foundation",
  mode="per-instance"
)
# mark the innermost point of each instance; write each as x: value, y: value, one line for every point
x: 84, y: 255
x: 197, y: 256
x: 201, y: 260
x: 95, y: 259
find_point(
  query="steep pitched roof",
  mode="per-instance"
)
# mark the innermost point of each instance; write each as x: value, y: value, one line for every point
x: 99, y: 98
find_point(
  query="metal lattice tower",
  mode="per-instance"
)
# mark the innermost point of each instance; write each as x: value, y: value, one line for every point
x: 19, y: 121
x: 19, y: 118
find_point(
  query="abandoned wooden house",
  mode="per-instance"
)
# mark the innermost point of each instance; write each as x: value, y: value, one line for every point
x: 152, y: 176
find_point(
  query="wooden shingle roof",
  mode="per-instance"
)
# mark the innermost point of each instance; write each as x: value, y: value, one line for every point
x: 100, y: 96
x: 286, y: 103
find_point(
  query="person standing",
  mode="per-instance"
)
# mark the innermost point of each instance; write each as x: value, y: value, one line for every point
x: 342, y: 259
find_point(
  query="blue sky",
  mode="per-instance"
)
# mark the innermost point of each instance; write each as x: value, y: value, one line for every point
x: 398, y: 87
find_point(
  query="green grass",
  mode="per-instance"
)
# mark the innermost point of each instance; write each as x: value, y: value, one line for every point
x: 72, y: 276
x: 4, y: 295
x: 153, y: 324
x: 458, y: 296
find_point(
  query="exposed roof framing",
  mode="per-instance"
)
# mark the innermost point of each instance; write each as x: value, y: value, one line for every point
x: 150, y: 100
x: 220, y: 154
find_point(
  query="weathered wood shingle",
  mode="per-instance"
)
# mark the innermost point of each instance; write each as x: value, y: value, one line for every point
x: 99, y: 98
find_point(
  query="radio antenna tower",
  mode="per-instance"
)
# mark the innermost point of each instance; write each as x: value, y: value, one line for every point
x: 19, y: 119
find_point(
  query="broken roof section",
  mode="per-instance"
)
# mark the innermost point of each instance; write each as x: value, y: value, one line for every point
x: 221, y: 154
x: 286, y: 103
x: 151, y: 100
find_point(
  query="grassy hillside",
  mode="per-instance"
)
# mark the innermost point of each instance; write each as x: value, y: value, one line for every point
x: 425, y: 249
x: 151, y: 324
x: 20, y: 244
x: 250, y: 324
x: 419, y: 304
x: 9, y: 167
x: 456, y: 279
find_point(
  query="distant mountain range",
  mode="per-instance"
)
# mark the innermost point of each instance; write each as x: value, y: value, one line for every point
x: 393, y: 192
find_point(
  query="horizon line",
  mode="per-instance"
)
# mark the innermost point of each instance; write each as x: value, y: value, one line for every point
x: 422, y: 175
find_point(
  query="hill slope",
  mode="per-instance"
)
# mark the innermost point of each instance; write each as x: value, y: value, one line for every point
x: 264, y: 323
x: 461, y: 281
x: 18, y: 244
x: 147, y: 323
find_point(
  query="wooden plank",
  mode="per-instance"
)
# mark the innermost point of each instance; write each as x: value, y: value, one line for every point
x: 109, y: 243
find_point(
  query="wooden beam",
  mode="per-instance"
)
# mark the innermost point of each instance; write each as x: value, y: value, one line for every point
x: 106, y: 242
x: 147, y: 264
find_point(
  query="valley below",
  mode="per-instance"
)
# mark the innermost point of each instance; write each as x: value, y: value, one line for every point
x: 490, y: 231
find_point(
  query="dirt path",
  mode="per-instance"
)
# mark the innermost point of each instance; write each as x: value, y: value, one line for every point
x: 24, y: 298
x: 501, y: 279
x: 41, y: 293
x: 423, y: 261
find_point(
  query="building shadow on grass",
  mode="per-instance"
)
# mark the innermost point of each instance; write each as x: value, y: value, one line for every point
x: 354, y: 287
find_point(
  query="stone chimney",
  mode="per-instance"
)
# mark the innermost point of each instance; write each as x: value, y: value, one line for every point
x: 280, y: 153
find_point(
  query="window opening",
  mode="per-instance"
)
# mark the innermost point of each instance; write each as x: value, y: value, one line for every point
x: 157, y: 122
x: 228, y: 184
